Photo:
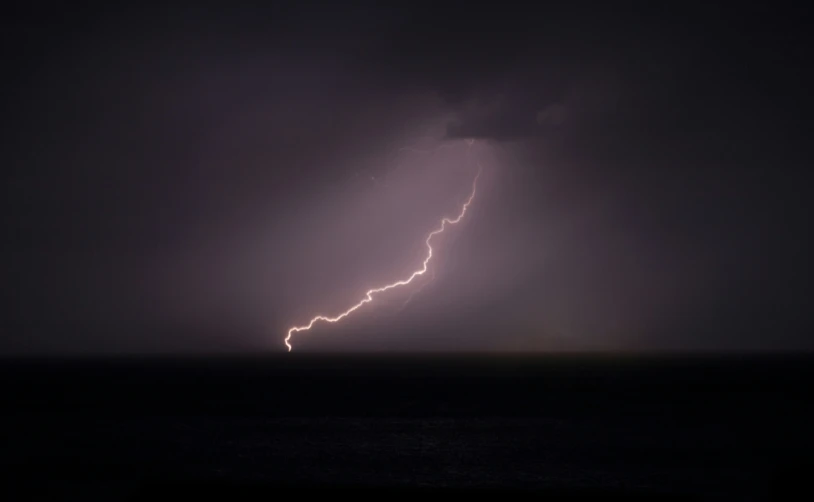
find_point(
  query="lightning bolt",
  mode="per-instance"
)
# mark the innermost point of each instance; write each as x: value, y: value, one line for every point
x: 403, y: 282
x: 409, y: 298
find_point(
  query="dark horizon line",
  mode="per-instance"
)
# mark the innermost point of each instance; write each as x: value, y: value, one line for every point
x: 413, y: 355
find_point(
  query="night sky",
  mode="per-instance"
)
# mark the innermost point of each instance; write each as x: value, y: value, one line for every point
x: 184, y: 180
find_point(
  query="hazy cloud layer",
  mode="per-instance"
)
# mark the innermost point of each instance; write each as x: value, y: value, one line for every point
x: 203, y: 180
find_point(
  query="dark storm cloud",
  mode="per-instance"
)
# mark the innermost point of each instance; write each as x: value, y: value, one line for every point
x: 207, y: 178
x: 528, y: 106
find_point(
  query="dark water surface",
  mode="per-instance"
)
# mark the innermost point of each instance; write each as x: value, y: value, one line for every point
x: 254, y: 427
